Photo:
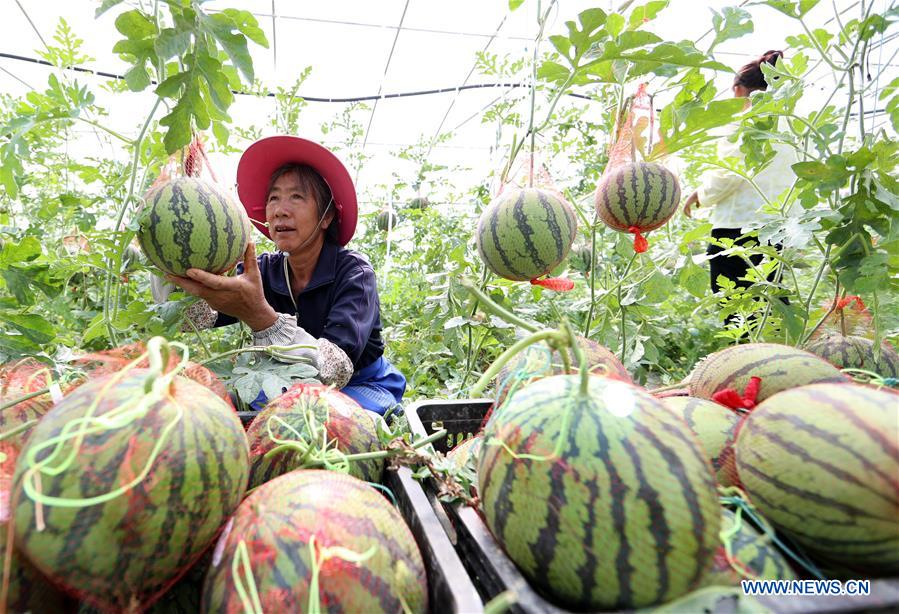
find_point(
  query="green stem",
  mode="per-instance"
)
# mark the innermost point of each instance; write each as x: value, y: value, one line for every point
x: 506, y: 356
x: 823, y: 319
x: 354, y: 458
x: 777, y: 279
x: 19, y: 429
x: 109, y: 131
x: 534, y: 98
x: 817, y: 46
x: 469, y: 351
x: 583, y: 365
x: 489, y: 306
x: 117, y: 263
x: 202, y: 341
x: 592, y: 272
x: 623, y: 310
x: 552, y: 108
x: 814, y: 288
x: 21, y: 399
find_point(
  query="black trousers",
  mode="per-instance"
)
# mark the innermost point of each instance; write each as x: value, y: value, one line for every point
x: 734, y: 267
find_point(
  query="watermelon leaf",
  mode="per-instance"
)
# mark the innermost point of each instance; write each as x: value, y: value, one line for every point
x: 35, y: 327
x: 645, y: 13
x: 732, y: 22
x: 614, y: 24
x: 105, y: 6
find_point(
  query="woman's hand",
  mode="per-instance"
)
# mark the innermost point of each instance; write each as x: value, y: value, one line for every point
x: 692, y: 199
x: 241, y: 297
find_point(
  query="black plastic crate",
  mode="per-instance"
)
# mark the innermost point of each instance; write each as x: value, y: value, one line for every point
x: 246, y: 417
x: 493, y: 571
x: 449, y: 587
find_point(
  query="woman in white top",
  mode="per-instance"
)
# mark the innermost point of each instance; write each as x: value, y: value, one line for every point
x: 736, y: 201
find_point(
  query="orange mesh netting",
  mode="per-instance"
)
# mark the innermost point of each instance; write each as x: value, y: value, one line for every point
x: 116, y: 359
x: 635, y: 134
x: 850, y: 317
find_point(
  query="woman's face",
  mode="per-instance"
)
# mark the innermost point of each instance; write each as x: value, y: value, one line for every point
x: 292, y: 214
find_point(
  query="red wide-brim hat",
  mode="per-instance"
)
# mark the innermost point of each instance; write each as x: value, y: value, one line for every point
x: 265, y: 156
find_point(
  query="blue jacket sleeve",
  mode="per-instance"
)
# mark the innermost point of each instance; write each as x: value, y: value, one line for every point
x: 354, y: 312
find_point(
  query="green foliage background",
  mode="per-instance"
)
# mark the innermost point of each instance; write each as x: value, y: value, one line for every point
x: 67, y: 287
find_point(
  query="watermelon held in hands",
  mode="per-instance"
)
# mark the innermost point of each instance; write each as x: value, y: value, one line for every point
x: 190, y: 223
x: 637, y: 197
x: 604, y: 499
x: 125, y: 484
x: 366, y: 558
x: 524, y: 233
x: 312, y: 413
x: 821, y: 463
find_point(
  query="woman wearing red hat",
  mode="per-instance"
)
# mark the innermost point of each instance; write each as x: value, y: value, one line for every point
x: 313, y: 291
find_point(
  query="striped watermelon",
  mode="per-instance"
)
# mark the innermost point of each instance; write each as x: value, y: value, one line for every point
x: 189, y: 223
x: 336, y: 517
x: 857, y: 353
x: 715, y: 600
x: 753, y: 555
x: 821, y: 462
x: 174, y: 468
x: 466, y: 454
x: 18, y: 379
x: 104, y: 362
x: 625, y: 515
x: 536, y: 361
x: 581, y: 258
x: 779, y: 366
x: 386, y: 220
x: 641, y: 195
x: 524, y: 233
x: 715, y: 426
x: 419, y: 202
x: 313, y: 413
x: 28, y: 590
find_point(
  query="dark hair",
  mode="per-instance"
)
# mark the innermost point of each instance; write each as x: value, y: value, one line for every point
x: 751, y: 76
x: 313, y: 183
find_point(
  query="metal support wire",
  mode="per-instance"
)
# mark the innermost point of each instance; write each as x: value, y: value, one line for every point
x: 274, y: 37
x: 464, y: 83
x: 17, y: 78
x: 33, y: 27
x: 380, y: 87
x: 443, y: 90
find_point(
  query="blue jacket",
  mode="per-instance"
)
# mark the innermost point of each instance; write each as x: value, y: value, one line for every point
x: 339, y: 304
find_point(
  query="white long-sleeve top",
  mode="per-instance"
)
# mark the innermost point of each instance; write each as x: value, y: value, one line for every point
x: 733, y: 201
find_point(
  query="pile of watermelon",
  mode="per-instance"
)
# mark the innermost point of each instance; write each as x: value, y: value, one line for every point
x: 139, y: 490
x: 775, y: 465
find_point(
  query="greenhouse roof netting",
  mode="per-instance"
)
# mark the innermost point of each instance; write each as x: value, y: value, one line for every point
x: 407, y: 70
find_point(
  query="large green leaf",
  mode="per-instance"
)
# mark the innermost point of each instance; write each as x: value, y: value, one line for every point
x: 732, y: 22
x: 35, y: 327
